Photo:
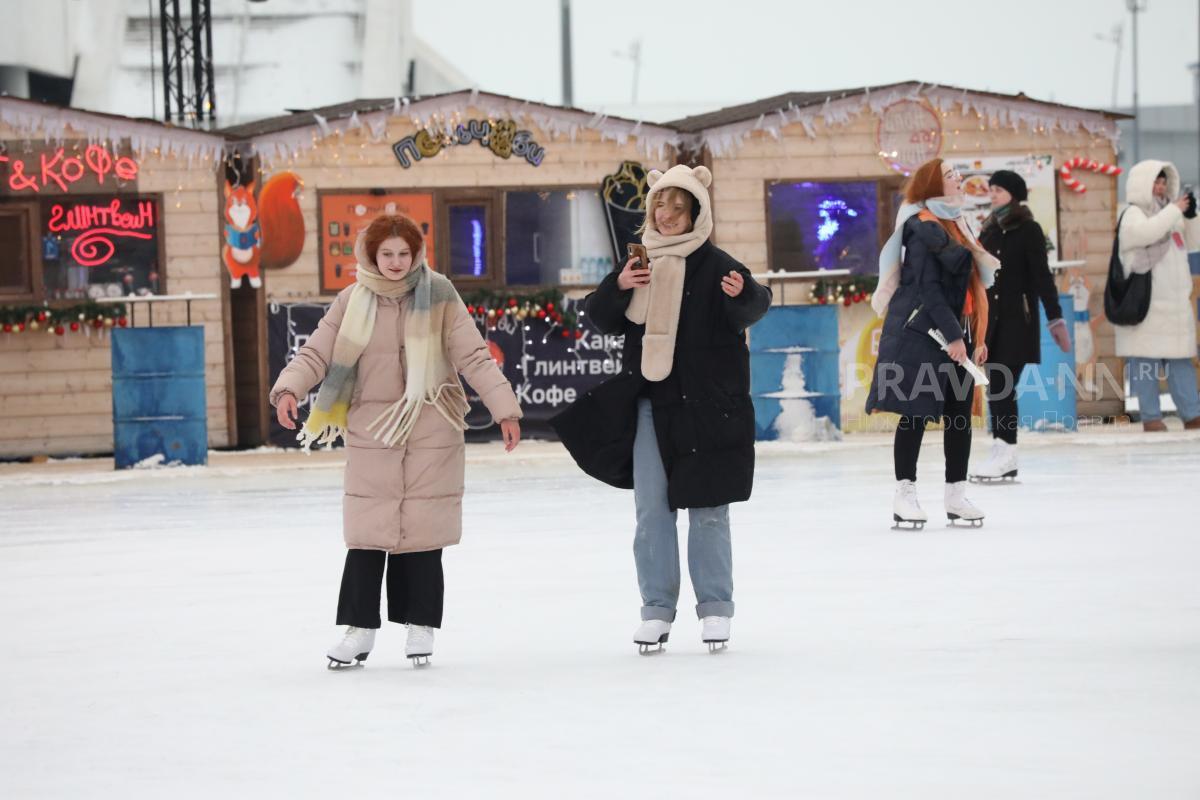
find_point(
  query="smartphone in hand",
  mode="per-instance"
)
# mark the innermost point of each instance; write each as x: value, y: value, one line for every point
x: 638, y: 251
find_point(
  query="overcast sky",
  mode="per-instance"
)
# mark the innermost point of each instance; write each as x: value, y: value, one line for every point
x: 724, y: 53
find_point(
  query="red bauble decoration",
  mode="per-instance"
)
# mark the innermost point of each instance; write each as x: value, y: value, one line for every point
x: 541, y: 314
x: 846, y: 301
x: 512, y: 302
x: 41, y: 316
x: 74, y: 326
x: 549, y: 306
x: 7, y: 327
x: 97, y: 323
x: 566, y: 334
x: 122, y: 322
x: 579, y: 334
x: 59, y: 330
x: 20, y: 327
x: 470, y: 309
x: 822, y: 300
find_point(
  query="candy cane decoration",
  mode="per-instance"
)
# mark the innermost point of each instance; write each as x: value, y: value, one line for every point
x: 1079, y: 162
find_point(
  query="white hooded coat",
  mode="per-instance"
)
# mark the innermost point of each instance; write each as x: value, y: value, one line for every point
x: 1169, y: 329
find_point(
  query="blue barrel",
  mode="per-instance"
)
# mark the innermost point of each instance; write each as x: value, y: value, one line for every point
x: 1046, y: 397
x: 159, y: 403
x: 794, y: 373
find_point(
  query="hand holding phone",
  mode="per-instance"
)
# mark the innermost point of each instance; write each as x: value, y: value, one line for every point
x: 637, y: 269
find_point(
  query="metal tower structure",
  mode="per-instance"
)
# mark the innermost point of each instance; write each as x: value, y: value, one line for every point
x: 189, y: 96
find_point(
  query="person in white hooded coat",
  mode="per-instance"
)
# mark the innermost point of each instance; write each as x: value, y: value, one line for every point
x: 1157, y: 229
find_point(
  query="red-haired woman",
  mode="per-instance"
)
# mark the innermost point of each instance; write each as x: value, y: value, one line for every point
x: 387, y: 355
x: 936, y: 291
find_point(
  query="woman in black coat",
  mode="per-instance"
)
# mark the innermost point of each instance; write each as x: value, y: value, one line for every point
x: 1014, y: 333
x: 940, y: 290
x: 677, y: 424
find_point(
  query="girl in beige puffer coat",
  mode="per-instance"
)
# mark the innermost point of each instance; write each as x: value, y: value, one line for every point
x: 387, y: 354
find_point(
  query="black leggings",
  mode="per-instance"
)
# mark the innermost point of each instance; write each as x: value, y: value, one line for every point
x: 1002, y: 400
x: 415, y: 588
x: 956, y: 413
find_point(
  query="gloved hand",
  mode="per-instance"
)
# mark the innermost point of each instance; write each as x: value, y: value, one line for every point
x: 1190, y: 213
x: 1058, y: 331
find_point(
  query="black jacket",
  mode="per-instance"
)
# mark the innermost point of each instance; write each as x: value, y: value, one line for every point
x: 913, y: 374
x: 703, y: 417
x: 1014, y: 335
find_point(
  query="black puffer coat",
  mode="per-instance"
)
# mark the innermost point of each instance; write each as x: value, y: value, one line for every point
x: 913, y: 374
x: 703, y: 417
x: 1013, y: 333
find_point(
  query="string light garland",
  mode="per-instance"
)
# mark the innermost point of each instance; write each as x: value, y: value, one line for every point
x: 539, y: 306
x: 84, y: 317
x: 846, y: 291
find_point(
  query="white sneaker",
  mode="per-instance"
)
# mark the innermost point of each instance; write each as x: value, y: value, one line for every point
x: 1000, y: 465
x: 651, y: 635
x: 958, y: 507
x: 356, y: 645
x: 906, y: 510
x: 714, y: 632
x: 419, y: 646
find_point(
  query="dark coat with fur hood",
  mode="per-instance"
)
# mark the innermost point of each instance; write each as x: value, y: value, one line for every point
x: 1013, y: 333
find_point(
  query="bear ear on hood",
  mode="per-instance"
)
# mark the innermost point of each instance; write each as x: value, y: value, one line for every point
x: 653, y: 176
x: 704, y: 175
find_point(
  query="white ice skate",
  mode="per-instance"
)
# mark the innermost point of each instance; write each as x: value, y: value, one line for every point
x: 355, y: 646
x: 419, y: 646
x: 1001, y: 464
x: 714, y: 632
x: 906, y: 511
x: 651, y: 635
x: 959, y: 508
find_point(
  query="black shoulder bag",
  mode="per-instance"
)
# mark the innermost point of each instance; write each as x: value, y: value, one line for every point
x: 1126, y: 300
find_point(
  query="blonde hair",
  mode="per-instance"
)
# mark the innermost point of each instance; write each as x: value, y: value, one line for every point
x: 668, y: 195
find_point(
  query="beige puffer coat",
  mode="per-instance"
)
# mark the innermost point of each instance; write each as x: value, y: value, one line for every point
x: 406, y: 498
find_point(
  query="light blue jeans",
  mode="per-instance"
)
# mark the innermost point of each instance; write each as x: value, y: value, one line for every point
x: 656, y: 541
x: 1144, y: 374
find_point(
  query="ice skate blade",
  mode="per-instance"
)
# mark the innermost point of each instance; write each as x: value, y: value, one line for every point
x: 648, y: 648
x: 420, y: 660
x: 335, y: 665
x: 1008, y: 477
x: 907, y: 524
x: 955, y: 521
x: 717, y: 647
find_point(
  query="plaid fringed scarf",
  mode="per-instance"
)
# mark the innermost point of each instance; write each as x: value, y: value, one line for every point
x: 424, y: 353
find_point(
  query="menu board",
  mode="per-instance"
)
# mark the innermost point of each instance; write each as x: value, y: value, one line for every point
x: 343, y: 216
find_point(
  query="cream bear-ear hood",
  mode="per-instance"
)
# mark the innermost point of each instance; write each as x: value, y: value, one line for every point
x: 693, y: 181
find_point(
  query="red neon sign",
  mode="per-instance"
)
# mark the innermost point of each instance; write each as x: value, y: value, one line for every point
x: 60, y: 170
x: 99, y: 224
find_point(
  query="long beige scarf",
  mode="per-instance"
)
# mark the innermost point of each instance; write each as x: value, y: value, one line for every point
x: 657, y: 306
x: 426, y: 364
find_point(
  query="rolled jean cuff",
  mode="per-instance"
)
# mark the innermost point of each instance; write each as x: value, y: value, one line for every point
x: 714, y: 608
x: 658, y: 612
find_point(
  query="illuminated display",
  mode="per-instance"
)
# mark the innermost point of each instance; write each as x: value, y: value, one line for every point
x: 55, y: 169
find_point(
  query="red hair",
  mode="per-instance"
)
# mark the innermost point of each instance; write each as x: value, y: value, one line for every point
x: 924, y: 184
x: 389, y: 226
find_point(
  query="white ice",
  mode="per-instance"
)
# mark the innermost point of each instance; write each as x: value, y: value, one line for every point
x: 164, y: 633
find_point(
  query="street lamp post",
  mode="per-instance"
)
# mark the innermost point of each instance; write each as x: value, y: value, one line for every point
x: 1136, y: 7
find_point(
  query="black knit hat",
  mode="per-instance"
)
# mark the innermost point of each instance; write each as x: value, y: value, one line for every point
x: 1010, y: 182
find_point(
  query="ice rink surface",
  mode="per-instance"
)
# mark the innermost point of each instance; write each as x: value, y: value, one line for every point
x: 164, y: 635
